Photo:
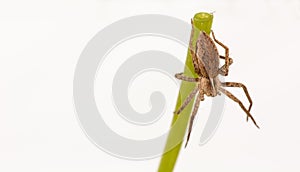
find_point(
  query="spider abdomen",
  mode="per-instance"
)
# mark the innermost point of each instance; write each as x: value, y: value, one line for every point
x: 208, y: 56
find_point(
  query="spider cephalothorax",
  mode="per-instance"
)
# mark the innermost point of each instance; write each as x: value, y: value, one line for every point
x: 206, y: 62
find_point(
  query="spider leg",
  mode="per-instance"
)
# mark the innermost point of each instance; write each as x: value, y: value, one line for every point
x: 235, y: 84
x: 196, y: 106
x: 187, y: 100
x: 222, y: 70
x: 191, y: 37
x: 193, y: 50
x: 227, y: 61
x: 231, y: 96
x: 196, y: 62
x: 181, y: 76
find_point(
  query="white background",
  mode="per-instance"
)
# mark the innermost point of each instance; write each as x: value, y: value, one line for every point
x: 40, y: 43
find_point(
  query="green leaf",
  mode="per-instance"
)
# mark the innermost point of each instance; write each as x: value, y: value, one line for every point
x: 202, y: 22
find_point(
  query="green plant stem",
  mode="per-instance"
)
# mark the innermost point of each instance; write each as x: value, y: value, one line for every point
x: 202, y: 22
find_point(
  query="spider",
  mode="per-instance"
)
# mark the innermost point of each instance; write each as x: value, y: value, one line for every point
x: 205, y: 58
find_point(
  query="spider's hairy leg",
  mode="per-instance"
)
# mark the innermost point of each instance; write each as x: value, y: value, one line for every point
x: 231, y: 96
x: 227, y: 61
x: 195, y: 61
x: 240, y: 85
x: 193, y: 50
x: 222, y: 70
x: 196, y: 106
x: 187, y: 100
x: 182, y: 77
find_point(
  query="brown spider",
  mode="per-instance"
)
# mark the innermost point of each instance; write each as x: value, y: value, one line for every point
x: 206, y: 64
